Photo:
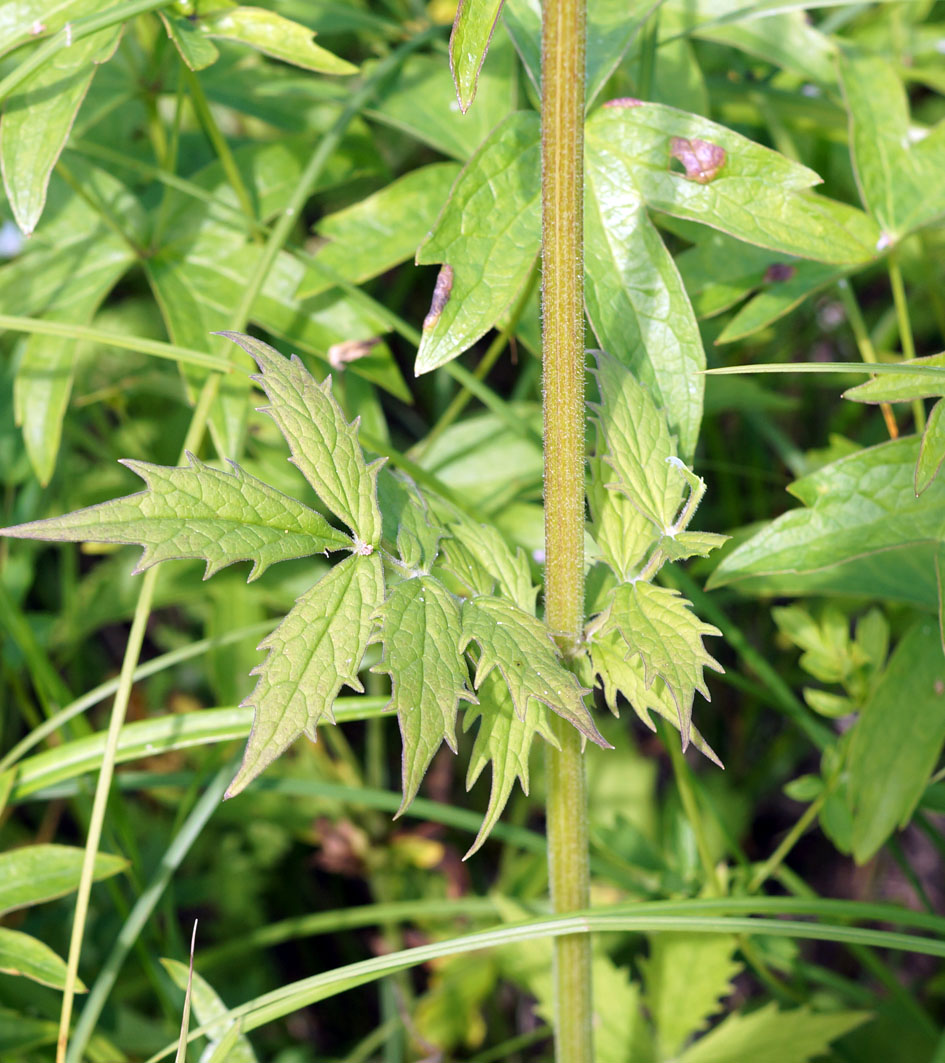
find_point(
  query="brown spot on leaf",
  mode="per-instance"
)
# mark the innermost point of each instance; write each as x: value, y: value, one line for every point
x: 624, y: 101
x: 339, y: 354
x: 441, y: 296
x: 779, y: 272
x: 702, y: 159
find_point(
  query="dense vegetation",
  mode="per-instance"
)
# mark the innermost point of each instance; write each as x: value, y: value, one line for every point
x: 372, y: 201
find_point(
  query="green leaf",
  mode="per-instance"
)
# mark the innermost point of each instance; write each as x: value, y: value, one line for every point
x: 487, y: 237
x: 890, y: 386
x: 522, y: 648
x: 409, y: 525
x: 861, y: 505
x: 691, y: 544
x: 635, y: 298
x: 897, y: 742
x: 18, y: 22
x: 22, y: 954
x: 686, y: 978
x: 932, y: 448
x: 197, y: 50
x: 210, y: 1012
x: 480, y: 556
x: 504, y: 739
x: 659, y: 625
x: 623, y: 672
x: 313, y: 653
x: 796, y: 1036
x: 37, y: 873
x: 421, y: 630
x: 197, y: 512
x: 900, y: 180
x: 639, y: 448
x: 324, y: 446
x: 469, y: 42
x: 623, y: 535
x: 273, y: 35
x: 37, y: 120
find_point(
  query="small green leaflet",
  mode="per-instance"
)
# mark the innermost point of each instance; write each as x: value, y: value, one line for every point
x: 33, y: 874
x: 659, y: 625
x: 324, y: 446
x: 313, y: 653
x: 622, y: 533
x: 421, y: 630
x: 198, y: 512
x: 505, y: 739
x: 522, y: 649
x: 28, y: 956
x: 480, y: 557
x: 469, y: 41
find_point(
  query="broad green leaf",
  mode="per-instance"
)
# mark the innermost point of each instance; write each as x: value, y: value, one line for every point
x: 521, y: 647
x: 37, y: 873
x: 900, y: 180
x: 690, y: 544
x: 25, y: 955
x: 312, y: 654
x: 622, y: 533
x: 623, y: 672
x: 197, y: 50
x: 487, y: 239
x: 686, y: 977
x: 197, y: 512
x: 796, y: 1036
x: 891, y: 386
x: 324, y: 446
x: 27, y: 20
x: 375, y: 234
x: 639, y: 447
x: 421, y: 630
x: 744, y: 189
x: 660, y: 626
x: 635, y: 299
x: 469, y: 41
x: 273, y: 35
x: 37, y: 119
x: 932, y: 448
x: 861, y: 505
x: 210, y: 1011
x: 505, y: 740
x: 719, y: 271
x: 480, y: 556
x: 898, y: 739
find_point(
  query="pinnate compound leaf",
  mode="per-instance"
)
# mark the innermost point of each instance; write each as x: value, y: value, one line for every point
x: 421, y: 629
x: 796, y: 1036
x: 324, y: 445
x: 932, y: 448
x: 686, y: 978
x: 211, y: 1012
x: 469, y: 42
x: 505, y: 739
x: 522, y: 648
x: 197, y: 512
x: 22, y: 954
x: 898, y: 739
x: 37, y: 873
x: 487, y: 239
x: 638, y: 444
x: 479, y: 555
x: 622, y: 672
x: 659, y: 625
x: 312, y: 654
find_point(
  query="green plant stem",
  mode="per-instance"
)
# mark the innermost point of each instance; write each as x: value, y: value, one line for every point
x: 864, y: 345
x: 681, y: 773
x: 906, y: 340
x: 790, y: 839
x: 562, y: 194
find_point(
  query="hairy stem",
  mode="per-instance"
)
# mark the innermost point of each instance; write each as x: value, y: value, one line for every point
x: 562, y: 193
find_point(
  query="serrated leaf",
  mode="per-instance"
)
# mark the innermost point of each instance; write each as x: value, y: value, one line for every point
x: 273, y: 35
x: 638, y: 444
x: 505, y: 740
x: 898, y: 739
x: 421, y: 630
x: 37, y: 873
x: 25, y: 955
x: 691, y: 544
x: 622, y: 672
x: 624, y: 536
x: 312, y: 654
x: 487, y: 238
x: 932, y: 448
x: 38, y: 117
x: 324, y: 446
x: 903, y: 387
x: 796, y: 1036
x: 480, y: 555
x: 469, y: 41
x: 211, y: 1012
x: 659, y: 625
x: 409, y: 525
x: 522, y: 648
x: 197, y: 512
x: 686, y: 978
x: 197, y: 50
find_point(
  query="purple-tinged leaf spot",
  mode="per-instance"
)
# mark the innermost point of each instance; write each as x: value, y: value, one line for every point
x: 779, y: 272
x: 624, y: 101
x: 702, y: 159
x: 441, y: 295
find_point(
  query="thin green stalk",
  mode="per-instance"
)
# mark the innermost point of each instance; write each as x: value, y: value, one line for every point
x: 906, y: 340
x: 864, y: 345
x: 562, y: 196
x: 793, y: 836
x: 681, y: 773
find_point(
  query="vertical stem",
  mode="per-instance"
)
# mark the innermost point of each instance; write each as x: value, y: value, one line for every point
x: 562, y: 150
